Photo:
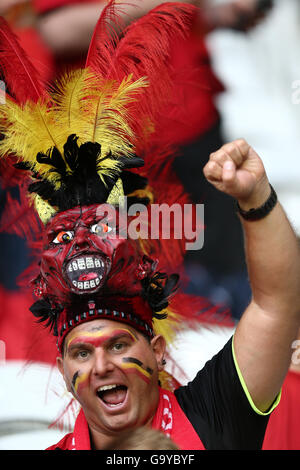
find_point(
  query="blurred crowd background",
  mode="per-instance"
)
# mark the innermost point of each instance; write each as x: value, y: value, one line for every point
x: 245, y: 83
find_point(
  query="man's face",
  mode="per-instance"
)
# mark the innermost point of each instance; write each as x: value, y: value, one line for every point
x: 84, y: 251
x: 112, y: 370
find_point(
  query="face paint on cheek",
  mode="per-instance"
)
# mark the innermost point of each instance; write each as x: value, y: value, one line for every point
x: 134, y: 366
x: 79, y: 382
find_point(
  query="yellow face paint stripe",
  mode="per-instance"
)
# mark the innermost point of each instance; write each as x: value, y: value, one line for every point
x: 137, y: 367
x: 79, y: 380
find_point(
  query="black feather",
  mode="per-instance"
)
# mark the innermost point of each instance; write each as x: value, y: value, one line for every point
x: 132, y: 181
x: 47, y: 314
x: 157, y: 291
x: 77, y: 173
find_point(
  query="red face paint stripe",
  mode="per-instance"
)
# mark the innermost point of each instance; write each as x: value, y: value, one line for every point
x: 134, y: 365
x: 134, y: 369
x: 99, y: 337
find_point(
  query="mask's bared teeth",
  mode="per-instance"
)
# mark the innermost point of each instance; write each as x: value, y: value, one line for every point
x: 85, y: 273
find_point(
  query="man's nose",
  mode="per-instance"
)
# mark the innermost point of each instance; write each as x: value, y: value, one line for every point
x: 102, y: 363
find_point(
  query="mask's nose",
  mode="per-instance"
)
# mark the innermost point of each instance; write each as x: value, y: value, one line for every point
x: 81, y: 240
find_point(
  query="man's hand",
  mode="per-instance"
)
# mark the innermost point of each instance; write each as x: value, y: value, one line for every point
x: 237, y: 170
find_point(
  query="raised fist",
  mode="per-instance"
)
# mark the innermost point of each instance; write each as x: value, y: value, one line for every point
x: 237, y: 170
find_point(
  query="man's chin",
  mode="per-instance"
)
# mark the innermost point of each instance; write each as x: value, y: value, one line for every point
x: 113, y: 425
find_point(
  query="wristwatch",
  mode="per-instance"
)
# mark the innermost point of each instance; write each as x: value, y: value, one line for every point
x: 260, y: 212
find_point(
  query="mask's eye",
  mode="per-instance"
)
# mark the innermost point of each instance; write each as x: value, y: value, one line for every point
x: 100, y: 228
x: 64, y: 237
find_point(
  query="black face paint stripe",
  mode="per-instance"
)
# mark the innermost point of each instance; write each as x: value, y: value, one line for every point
x: 138, y: 362
x: 75, y: 376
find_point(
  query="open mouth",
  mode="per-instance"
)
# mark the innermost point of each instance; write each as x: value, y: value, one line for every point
x: 112, y: 396
x: 86, y: 273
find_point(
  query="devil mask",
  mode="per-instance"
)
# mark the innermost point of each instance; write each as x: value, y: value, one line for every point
x: 86, y: 252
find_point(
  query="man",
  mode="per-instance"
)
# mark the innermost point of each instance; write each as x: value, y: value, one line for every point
x: 110, y: 368
x: 101, y: 293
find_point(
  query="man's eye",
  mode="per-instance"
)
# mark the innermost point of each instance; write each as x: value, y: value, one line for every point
x: 118, y: 346
x: 100, y: 228
x: 82, y: 354
x: 64, y: 237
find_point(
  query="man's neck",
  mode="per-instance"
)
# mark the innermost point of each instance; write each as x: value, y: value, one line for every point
x: 107, y: 441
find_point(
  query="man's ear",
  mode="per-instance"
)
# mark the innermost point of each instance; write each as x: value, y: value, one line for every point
x: 158, y: 344
x: 60, y: 366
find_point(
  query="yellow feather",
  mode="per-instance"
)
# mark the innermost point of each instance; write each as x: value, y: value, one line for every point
x: 43, y: 208
x: 67, y: 96
x: 106, y: 117
x: 95, y: 109
x: 168, y: 327
x: 28, y: 130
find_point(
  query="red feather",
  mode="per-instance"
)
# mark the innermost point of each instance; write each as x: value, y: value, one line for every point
x: 197, y: 311
x: 9, y: 175
x: 20, y: 218
x: 144, y: 46
x: 143, y: 50
x: 105, y: 39
x: 17, y: 70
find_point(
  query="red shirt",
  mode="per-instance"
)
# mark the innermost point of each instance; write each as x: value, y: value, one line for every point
x: 283, y: 428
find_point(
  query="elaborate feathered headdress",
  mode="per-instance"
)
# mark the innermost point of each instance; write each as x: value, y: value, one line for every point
x: 91, y: 139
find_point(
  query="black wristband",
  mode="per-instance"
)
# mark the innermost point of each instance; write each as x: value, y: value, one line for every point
x: 262, y: 211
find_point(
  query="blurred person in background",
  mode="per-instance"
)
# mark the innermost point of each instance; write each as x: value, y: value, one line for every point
x: 218, y: 270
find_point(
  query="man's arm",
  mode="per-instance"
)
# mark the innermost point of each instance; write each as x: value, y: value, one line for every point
x: 264, y: 335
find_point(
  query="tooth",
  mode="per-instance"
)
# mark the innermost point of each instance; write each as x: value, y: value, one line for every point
x: 97, y: 281
x: 97, y: 263
x: 106, y: 387
x: 80, y: 285
x: 89, y: 262
x: 74, y: 283
x: 70, y: 268
x: 81, y: 263
x: 92, y: 283
x: 86, y: 285
x: 74, y: 264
